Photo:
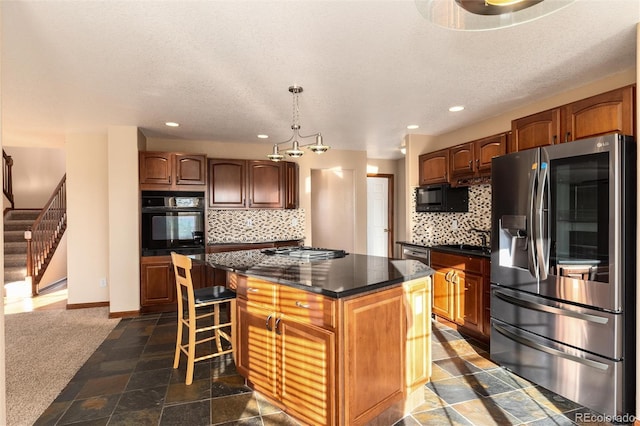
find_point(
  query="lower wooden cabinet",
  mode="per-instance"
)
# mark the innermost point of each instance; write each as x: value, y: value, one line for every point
x: 158, y: 284
x: 459, y: 291
x: 333, y: 361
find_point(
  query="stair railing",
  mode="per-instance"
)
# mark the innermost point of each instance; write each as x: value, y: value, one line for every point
x: 7, y: 178
x: 45, y: 234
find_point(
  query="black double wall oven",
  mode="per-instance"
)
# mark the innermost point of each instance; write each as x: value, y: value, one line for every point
x: 172, y: 221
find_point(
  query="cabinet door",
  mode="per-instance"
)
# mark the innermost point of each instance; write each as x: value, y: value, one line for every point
x: 291, y: 185
x: 306, y: 359
x: 418, y: 311
x: 468, y: 300
x: 190, y: 169
x: 442, y: 292
x: 157, y: 281
x: 461, y: 160
x: 155, y: 168
x: 434, y: 167
x: 374, y: 354
x: 486, y: 149
x: 535, y: 130
x: 227, y: 183
x: 266, y: 184
x: 255, y: 346
x: 610, y: 112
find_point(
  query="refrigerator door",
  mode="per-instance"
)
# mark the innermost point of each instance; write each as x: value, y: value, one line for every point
x: 514, y: 180
x: 579, y: 221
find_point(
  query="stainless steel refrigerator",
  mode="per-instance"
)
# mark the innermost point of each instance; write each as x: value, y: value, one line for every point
x: 563, y: 269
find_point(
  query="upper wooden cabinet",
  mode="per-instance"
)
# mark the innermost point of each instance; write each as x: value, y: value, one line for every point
x: 261, y: 184
x: 473, y: 159
x: 609, y: 112
x: 172, y: 171
x: 434, y: 167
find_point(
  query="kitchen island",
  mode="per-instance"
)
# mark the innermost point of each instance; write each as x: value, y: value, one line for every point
x: 342, y: 341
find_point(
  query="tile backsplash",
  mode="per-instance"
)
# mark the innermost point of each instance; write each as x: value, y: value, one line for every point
x: 453, y: 228
x: 254, y: 225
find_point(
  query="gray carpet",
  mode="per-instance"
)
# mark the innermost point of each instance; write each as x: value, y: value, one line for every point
x: 44, y: 349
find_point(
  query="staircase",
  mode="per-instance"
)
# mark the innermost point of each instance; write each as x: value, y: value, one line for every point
x: 15, y: 246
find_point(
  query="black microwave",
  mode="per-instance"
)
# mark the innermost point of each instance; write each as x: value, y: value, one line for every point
x: 442, y: 198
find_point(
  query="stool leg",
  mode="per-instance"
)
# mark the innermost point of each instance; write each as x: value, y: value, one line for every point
x: 216, y: 322
x: 176, y: 358
x: 191, y: 350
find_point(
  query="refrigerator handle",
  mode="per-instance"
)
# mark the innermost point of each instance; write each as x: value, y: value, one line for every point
x: 541, y: 221
x: 532, y: 259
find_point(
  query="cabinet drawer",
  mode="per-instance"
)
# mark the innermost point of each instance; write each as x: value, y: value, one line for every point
x: 463, y: 263
x: 256, y: 291
x: 307, y: 308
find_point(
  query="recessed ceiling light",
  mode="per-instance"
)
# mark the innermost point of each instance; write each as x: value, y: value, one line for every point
x: 172, y: 124
x: 263, y: 136
x: 456, y: 108
x: 412, y: 126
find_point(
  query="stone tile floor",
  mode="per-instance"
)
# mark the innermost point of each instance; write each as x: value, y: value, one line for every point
x: 129, y: 380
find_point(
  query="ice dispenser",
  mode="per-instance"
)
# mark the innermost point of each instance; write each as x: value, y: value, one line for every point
x: 513, y: 241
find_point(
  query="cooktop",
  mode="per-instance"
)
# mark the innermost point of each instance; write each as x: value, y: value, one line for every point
x: 308, y: 253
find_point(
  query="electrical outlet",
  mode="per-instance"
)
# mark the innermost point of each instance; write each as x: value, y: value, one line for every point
x: 294, y: 221
x: 454, y: 224
x: 249, y: 223
x: 103, y: 282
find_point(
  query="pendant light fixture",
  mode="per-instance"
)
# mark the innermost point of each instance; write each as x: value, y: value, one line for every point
x: 479, y: 15
x: 295, y: 152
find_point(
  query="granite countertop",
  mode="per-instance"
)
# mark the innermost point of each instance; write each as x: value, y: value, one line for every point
x: 336, y: 278
x: 461, y: 249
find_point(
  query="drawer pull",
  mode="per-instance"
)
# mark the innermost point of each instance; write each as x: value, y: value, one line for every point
x: 277, y: 327
x: 302, y: 305
x: 253, y: 290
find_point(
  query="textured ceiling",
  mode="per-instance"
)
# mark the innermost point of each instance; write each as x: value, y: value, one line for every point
x: 222, y: 68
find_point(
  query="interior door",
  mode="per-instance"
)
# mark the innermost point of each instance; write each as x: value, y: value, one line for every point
x: 379, y: 231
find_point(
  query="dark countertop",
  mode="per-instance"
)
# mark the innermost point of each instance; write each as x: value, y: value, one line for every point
x: 336, y: 278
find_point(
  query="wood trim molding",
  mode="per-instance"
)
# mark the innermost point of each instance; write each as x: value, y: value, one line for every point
x: 124, y: 314
x: 87, y: 305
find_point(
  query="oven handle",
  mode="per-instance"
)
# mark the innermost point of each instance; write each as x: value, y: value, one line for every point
x: 550, y: 309
x: 550, y: 351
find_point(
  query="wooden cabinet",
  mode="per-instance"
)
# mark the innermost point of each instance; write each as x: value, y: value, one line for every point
x: 334, y: 361
x: 172, y: 171
x: 158, y: 284
x: 434, y: 167
x: 284, y: 352
x: 608, y: 112
x: 240, y: 184
x: 460, y: 283
x: 473, y: 159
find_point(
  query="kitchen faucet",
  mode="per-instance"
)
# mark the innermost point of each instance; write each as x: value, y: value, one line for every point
x: 483, y: 235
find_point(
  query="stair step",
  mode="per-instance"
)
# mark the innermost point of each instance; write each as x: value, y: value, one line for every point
x: 11, y: 260
x: 14, y: 236
x: 22, y: 215
x: 15, y: 247
x: 17, y: 225
x: 14, y: 274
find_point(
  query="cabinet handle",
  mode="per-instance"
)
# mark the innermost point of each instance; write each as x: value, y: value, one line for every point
x: 278, y: 325
x: 470, y: 164
x: 567, y: 137
x: 253, y: 290
x: 169, y: 180
x: 477, y: 162
x: 268, y: 323
x: 554, y: 140
x: 302, y: 305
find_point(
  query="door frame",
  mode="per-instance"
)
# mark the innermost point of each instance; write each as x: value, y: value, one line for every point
x: 390, y: 210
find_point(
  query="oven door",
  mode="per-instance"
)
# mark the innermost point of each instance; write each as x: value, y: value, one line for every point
x: 175, y: 229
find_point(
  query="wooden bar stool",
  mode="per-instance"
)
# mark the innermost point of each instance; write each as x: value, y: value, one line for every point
x: 212, y: 297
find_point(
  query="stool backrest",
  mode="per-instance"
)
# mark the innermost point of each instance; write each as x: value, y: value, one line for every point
x: 184, y: 284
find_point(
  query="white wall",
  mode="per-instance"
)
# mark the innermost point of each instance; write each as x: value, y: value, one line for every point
x: 124, y: 213
x: 87, y: 217
x: 36, y: 173
x: 3, y: 388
